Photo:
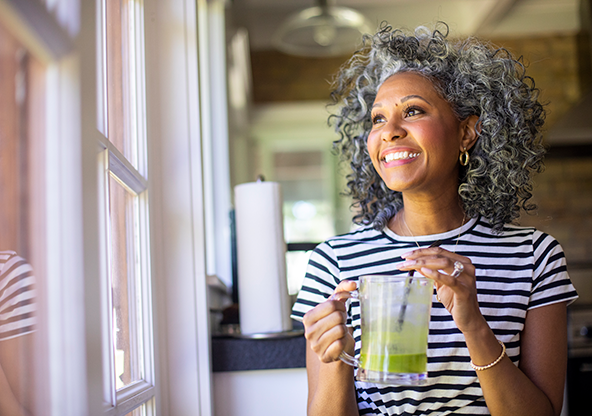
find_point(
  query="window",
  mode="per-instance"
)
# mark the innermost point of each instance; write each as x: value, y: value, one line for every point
x: 74, y: 186
x: 124, y: 214
x: 293, y: 147
x: 22, y: 225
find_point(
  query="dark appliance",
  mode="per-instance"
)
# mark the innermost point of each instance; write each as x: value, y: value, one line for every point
x: 579, y: 361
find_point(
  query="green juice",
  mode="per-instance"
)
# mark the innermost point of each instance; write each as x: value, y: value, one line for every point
x: 394, y: 363
x: 395, y: 352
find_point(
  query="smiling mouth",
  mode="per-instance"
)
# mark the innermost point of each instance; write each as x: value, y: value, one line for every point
x: 400, y: 156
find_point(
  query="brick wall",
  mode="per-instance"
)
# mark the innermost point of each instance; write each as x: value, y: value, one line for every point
x: 563, y: 194
x: 280, y: 77
x: 554, y: 63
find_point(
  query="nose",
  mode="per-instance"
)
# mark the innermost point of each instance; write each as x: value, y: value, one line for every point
x: 393, y: 131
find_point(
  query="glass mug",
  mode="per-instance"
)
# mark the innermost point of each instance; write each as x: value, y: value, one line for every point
x: 395, y: 318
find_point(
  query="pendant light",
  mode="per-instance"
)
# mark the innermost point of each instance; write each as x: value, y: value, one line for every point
x: 321, y: 31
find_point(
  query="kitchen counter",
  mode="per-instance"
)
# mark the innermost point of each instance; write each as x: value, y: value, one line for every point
x: 241, y: 354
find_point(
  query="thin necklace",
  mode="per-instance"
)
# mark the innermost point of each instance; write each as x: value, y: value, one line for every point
x: 457, y: 238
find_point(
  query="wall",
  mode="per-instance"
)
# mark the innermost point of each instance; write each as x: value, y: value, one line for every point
x: 553, y: 61
x: 259, y: 393
x: 563, y: 194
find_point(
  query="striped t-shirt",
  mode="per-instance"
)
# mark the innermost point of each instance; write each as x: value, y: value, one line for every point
x: 17, y: 296
x: 517, y: 270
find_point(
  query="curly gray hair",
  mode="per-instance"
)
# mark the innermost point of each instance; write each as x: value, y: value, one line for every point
x: 476, y: 79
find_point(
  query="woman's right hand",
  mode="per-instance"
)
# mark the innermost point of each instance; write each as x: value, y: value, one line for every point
x: 325, y: 329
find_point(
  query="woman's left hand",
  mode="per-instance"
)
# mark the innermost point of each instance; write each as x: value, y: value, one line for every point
x: 457, y: 294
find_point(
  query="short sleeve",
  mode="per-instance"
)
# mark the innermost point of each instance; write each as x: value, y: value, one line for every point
x: 551, y: 282
x: 17, y: 296
x: 321, y: 279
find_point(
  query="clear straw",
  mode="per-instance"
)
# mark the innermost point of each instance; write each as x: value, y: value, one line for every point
x: 408, y: 282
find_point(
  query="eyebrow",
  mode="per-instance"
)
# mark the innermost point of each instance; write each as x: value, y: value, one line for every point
x: 406, y: 98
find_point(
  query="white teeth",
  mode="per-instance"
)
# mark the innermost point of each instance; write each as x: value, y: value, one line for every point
x: 399, y: 155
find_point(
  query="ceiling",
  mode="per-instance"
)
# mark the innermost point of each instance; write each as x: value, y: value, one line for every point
x: 486, y: 18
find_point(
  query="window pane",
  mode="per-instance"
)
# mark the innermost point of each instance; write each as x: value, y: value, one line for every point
x: 123, y: 66
x: 12, y: 144
x: 119, y: 78
x: 122, y: 215
x: 308, y: 214
x: 22, y: 228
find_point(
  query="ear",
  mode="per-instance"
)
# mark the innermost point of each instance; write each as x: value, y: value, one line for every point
x: 471, y: 129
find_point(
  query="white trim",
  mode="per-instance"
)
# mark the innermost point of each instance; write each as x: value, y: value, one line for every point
x: 109, y: 393
x: 146, y: 286
x: 176, y: 193
x: 198, y: 129
x: 139, y: 85
x: 91, y: 249
x: 220, y: 159
x: 122, y: 168
x: 113, y: 164
x: 133, y: 396
x: 65, y: 288
x: 205, y: 91
x: 130, y: 398
x: 125, y: 172
x: 102, y: 111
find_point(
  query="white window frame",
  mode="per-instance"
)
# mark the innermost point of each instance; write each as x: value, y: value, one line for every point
x: 175, y: 57
x: 113, y: 164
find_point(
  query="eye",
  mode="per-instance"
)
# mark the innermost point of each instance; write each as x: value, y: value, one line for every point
x: 379, y: 118
x: 413, y: 111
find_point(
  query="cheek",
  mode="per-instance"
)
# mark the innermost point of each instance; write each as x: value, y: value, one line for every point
x: 372, y: 143
x: 438, y: 137
x: 431, y: 135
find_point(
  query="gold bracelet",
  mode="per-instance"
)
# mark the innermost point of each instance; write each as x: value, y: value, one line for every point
x: 498, y: 359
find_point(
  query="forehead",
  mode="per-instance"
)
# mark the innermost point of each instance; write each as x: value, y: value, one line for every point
x: 407, y: 83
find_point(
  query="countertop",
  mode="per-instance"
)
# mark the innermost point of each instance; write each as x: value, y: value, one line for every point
x: 235, y: 353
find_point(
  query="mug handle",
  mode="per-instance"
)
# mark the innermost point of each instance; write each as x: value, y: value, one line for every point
x: 340, y: 296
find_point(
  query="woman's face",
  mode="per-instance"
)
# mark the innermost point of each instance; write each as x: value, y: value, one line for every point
x: 416, y: 138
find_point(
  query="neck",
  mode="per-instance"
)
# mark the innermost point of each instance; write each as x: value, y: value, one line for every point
x: 426, y: 219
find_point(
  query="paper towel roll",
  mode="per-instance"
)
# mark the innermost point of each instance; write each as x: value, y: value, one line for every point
x: 264, y: 303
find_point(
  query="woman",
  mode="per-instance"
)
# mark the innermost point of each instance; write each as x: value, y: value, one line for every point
x: 442, y: 139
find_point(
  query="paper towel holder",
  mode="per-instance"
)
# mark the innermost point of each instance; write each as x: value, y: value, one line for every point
x: 260, y: 178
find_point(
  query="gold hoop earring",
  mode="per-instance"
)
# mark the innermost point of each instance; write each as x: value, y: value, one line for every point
x: 464, y: 157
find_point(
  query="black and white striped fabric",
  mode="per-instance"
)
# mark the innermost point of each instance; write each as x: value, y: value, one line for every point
x: 17, y: 296
x: 517, y: 270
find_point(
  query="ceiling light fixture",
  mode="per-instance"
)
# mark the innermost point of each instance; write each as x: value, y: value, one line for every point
x: 322, y: 31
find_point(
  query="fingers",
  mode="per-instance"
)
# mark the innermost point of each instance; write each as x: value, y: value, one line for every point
x: 434, y: 258
x: 444, y: 267
x: 343, y: 291
x: 431, y: 251
x: 457, y: 291
x: 345, y: 285
x: 331, y: 343
x: 325, y: 327
x: 329, y: 313
x: 442, y: 270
